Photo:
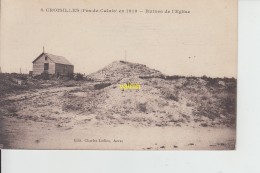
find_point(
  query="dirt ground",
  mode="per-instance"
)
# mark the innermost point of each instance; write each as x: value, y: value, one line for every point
x: 27, y: 134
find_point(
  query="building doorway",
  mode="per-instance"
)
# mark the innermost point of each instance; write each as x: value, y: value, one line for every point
x: 46, y: 67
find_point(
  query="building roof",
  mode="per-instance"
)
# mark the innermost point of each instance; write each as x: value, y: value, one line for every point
x: 55, y: 58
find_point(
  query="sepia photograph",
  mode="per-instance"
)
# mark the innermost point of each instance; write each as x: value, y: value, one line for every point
x: 118, y: 75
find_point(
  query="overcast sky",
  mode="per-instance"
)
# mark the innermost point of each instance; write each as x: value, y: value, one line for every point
x: 90, y: 41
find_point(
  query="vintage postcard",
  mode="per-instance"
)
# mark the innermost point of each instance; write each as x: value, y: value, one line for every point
x: 118, y: 75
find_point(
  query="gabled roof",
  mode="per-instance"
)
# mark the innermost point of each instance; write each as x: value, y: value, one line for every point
x: 55, y: 59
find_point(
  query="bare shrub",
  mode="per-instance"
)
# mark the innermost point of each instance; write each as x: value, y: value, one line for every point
x: 229, y: 103
x: 170, y: 94
x: 189, y: 104
x: 204, y: 124
x: 44, y: 76
x: 173, y: 77
x: 78, y: 76
x: 101, y: 86
x: 141, y: 107
x: 204, y: 98
x: 173, y: 96
x: 99, y: 117
x: 12, y: 109
x: 70, y: 84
